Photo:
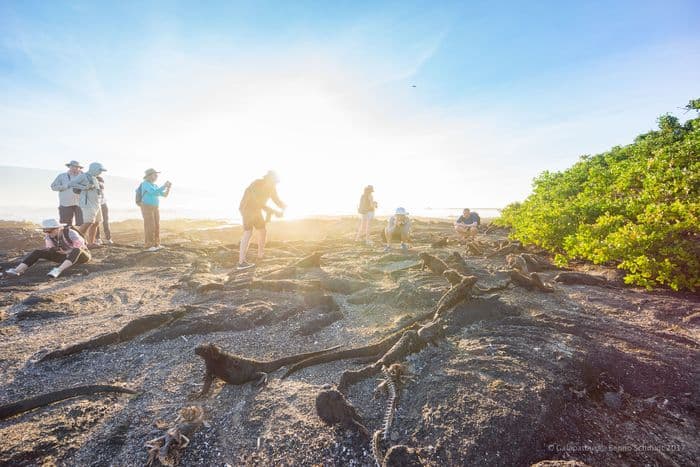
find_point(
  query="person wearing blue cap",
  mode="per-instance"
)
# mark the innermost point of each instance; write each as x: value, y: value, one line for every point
x: 398, y: 229
x: 89, y: 201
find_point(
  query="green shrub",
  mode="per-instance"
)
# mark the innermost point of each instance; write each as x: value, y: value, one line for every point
x: 636, y: 207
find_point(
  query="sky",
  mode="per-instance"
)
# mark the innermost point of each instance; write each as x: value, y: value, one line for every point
x: 436, y: 104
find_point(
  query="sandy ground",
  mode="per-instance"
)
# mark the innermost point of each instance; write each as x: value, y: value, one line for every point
x: 603, y: 375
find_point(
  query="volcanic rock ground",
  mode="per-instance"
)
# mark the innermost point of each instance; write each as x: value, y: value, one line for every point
x: 602, y: 375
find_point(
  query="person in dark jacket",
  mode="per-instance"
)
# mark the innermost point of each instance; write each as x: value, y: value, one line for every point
x: 253, y: 204
x: 366, y: 211
x: 466, y: 225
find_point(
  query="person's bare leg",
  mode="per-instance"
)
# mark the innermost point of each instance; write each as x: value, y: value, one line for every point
x: 359, y: 229
x: 262, y: 238
x: 245, y: 241
x: 65, y: 265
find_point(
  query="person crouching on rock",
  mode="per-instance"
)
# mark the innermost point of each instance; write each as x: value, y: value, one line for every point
x: 150, y: 208
x: 366, y: 211
x: 398, y: 229
x: 64, y: 246
x: 90, y: 201
x: 252, y: 205
x: 466, y: 225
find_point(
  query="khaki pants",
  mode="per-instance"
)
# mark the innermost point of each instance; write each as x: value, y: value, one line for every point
x: 151, y: 225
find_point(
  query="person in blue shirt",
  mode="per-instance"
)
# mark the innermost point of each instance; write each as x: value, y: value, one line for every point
x: 150, y: 196
x: 466, y: 225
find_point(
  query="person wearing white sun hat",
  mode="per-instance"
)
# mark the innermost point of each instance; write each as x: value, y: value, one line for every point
x: 63, y: 245
x: 398, y: 229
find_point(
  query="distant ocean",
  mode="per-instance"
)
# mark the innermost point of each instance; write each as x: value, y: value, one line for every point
x: 230, y: 215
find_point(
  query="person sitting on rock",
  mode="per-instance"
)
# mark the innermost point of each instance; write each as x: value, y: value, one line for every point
x: 253, y: 203
x: 398, y: 229
x: 466, y: 225
x: 64, y: 246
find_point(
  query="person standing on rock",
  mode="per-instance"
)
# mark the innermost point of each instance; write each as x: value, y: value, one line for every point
x: 68, y: 198
x: 366, y: 211
x: 89, y: 201
x: 148, y: 198
x: 63, y: 245
x: 105, y: 217
x: 253, y: 203
x: 398, y: 229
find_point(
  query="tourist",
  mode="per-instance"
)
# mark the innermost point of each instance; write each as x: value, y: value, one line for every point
x: 467, y: 224
x: 105, y: 217
x: 252, y: 205
x: 63, y: 245
x: 398, y: 229
x: 89, y: 201
x: 366, y: 211
x: 150, y: 194
x: 68, y: 198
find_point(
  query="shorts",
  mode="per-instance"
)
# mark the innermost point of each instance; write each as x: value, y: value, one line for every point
x: 253, y: 219
x: 368, y: 216
x: 92, y: 215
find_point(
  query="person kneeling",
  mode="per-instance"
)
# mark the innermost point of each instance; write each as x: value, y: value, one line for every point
x: 64, y: 246
x: 467, y: 224
x: 398, y: 229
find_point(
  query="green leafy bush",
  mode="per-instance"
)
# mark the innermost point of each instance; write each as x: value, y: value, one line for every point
x: 636, y: 207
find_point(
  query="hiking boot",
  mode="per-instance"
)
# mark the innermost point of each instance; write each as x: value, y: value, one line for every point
x: 55, y: 272
x: 244, y: 265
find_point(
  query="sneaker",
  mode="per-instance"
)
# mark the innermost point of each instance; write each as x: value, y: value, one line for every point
x: 13, y: 272
x: 160, y: 247
x: 404, y: 247
x: 152, y: 249
x: 98, y: 242
x: 387, y: 249
x: 55, y: 272
x: 109, y: 242
x: 244, y: 265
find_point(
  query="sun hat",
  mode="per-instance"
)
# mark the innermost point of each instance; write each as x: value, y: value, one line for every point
x: 96, y: 167
x: 48, y: 224
x: 150, y: 172
x: 401, y: 212
x: 369, y: 188
x: 74, y: 164
x: 272, y: 175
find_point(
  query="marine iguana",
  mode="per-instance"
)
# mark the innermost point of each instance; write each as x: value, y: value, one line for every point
x: 433, y: 263
x: 333, y: 408
x: 234, y: 369
x: 455, y: 295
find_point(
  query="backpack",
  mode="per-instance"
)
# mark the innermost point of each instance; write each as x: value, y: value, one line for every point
x: 139, y: 195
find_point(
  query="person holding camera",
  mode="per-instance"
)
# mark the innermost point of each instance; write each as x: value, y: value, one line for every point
x: 89, y: 201
x: 68, y: 197
x: 252, y: 205
x: 62, y: 245
x: 150, y: 195
x: 398, y: 229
